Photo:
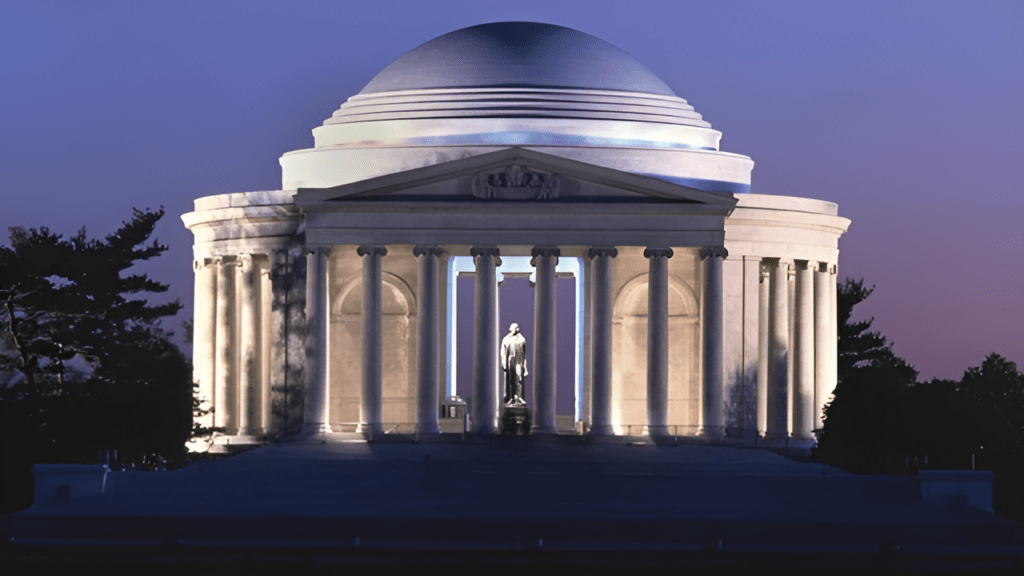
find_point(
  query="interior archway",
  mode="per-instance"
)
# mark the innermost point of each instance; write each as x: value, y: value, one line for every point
x: 398, y: 339
x: 629, y: 364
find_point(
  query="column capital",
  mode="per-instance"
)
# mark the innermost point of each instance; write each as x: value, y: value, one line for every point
x: 823, y: 267
x: 319, y: 250
x: 427, y: 250
x: 546, y: 251
x: 658, y: 253
x: 803, y: 264
x: 717, y: 251
x: 762, y: 272
x: 599, y: 251
x: 484, y: 251
x: 372, y: 250
x: 244, y: 261
x: 200, y: 263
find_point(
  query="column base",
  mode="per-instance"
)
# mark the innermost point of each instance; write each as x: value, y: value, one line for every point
x: 658, y: 431
x: 370, y: 431
x: 245, y: 439
x: 774, y: 441
x: 713, y: 432
x: 428, y: 428
x: 315, y: 429
x: 601, y: 430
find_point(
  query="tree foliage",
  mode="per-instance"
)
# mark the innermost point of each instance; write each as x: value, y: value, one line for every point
x: 128, y: 388
x: 881, y: 420
x: 859, y: 347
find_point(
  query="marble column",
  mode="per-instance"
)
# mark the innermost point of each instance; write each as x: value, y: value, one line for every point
x: 246, y: 291
x: 484, y: 416
x: 204, y: 335
x: 588, y: 342
x: 657, y: 340
x: 762, y: 350
x: 803, y: 352
x: 318, y: 314
x: 714, y: 333
x: 427, y: 342
x: 265, y: 347
x: 601, y: 379
x: 370, y: 421
x: 833, y: 346
x: 777, y: 425
x: 545, y: 345
x: 225, y: 369
x: 822, y: 307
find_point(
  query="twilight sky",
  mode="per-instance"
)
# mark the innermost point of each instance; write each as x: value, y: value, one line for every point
x: 907, y: 114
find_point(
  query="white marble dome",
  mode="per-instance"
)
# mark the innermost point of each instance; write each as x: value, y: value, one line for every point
x: 542, y: 86
x: 517, y: 55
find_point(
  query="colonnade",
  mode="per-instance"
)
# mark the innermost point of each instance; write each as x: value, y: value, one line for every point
x: 231, y: 303
x: 484, y: 408
x: 797, y: 357
x: 791, y: 404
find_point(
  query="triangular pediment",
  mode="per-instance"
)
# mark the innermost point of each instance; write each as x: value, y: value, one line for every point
x: 515, y: 175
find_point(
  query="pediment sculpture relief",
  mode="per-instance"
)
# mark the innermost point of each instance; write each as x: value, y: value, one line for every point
x: 516, y: 182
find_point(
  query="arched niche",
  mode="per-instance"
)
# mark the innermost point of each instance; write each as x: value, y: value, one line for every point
x: 398, y: 343
x: 629, y: 363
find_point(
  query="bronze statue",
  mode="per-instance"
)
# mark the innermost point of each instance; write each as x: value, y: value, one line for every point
x: 513, y: 364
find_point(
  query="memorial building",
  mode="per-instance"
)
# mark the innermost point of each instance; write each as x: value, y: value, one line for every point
x: 330, y: 305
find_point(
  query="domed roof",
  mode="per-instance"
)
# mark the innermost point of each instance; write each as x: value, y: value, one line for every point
x: 517, y: 54
x: 540, y: 86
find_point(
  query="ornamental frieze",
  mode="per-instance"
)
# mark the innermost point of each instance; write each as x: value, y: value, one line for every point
x: 516, y: 182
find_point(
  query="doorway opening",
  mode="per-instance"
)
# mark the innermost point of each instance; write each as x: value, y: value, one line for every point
x: 515, y: 279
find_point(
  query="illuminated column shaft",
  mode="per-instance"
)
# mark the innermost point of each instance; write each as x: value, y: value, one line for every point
x: 601, y: 392
x: 545, y: 349
x: 204, y: 335
x: 225, y: 373
x: 316, y: 416
x: 485, y: 345
x: 833, y: 320
x: 248, y: 340
x: 657, y: 340
x: 714, y: 331
x: 778, y: 349
x: 803, y: 352
x: 762, y: 350
x: 588, y: 342
x: 428, y: 344
x: 266, y: 346
x: 372, y: 321
x: 822, y: 330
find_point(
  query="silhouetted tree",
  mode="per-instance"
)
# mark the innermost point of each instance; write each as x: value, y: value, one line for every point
x: 994, y: 405
x: 67, y: 298
x: 882, y: 421
x: 866, y: 425
x: 858, y: 347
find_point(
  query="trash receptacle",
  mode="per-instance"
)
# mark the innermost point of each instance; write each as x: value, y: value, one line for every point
x: 454, y: 408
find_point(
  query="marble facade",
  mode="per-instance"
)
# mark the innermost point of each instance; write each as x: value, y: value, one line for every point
x: 325, y: 306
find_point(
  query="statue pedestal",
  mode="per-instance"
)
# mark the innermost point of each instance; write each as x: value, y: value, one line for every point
x: 515, y: 420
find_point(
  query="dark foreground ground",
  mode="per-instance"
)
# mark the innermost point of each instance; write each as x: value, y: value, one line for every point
x: 507, y: 505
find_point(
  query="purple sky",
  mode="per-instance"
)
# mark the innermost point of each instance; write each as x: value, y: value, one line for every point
x: 908, y: 114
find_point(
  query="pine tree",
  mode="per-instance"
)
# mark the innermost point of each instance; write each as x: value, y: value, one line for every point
x: 73, y: 298
x: 859, y: 347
